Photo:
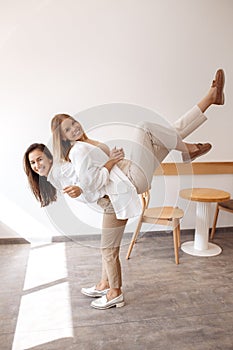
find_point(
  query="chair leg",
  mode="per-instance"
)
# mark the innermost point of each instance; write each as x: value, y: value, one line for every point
x: 134, y: 238
x: 176, y: 234
x: 178, y: 229
x: 214, y: 223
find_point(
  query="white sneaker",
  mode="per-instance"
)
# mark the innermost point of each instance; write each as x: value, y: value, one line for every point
x: 93, y: 292
x: 102, y: 303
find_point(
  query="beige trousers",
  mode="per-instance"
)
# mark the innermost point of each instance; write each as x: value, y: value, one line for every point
x: 155, y: 142
x: 112, y: 232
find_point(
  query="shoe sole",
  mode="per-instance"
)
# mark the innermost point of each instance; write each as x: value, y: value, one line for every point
x: 121, y: 304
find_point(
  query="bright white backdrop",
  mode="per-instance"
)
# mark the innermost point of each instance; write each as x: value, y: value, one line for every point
x: 69, y: 56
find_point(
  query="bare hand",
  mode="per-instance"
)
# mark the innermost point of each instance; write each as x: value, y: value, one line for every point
x: 117, y: 154
x: 72, y: 191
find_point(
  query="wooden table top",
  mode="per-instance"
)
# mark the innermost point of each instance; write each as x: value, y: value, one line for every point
x: 204, y: 194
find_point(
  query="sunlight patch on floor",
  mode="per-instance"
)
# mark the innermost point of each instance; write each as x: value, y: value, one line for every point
x: 45, y: 313
x: 44, y: 316
x: 45, y: 265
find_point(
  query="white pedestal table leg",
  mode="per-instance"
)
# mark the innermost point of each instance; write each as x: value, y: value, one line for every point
x: 201, y: 245
x: 202, y: 226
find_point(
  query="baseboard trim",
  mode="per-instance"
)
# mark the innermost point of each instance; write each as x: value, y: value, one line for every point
x: 86, y: 238
x: 168, y: 232
x: 13, y: 240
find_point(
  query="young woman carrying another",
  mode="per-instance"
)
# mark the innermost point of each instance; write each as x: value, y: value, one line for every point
x: 105, y: 177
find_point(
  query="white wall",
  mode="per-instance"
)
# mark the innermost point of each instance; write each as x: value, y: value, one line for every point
x: 69, y: 56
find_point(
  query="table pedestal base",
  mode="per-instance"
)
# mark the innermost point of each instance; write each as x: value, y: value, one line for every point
x: 212, y: 250
x: 203, y: 197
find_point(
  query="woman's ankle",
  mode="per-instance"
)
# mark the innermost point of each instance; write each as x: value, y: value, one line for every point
x: 208, y: 100
x: 113, y: 293
x: 102, y: 285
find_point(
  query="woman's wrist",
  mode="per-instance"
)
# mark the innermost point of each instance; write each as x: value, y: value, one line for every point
x: 110, y: 164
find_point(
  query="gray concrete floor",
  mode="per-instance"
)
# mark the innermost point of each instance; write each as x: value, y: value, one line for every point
x: 189, y: 306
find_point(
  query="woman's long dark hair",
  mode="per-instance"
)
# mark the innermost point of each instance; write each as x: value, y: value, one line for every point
x: 43, y: 190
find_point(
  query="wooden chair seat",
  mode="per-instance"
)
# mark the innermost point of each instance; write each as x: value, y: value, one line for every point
x: 167, y: 216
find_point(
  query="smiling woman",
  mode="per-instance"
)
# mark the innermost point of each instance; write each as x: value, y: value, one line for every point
x: 40, y: 163
x: 39, y: 159
x: 71, y: 130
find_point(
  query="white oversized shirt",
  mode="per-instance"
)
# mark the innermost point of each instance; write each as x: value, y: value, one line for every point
x: 63, y: 174
x: 96, y: 181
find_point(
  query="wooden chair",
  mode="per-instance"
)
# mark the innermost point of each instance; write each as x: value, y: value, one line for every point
x: 168, y: 216
x: 226, y: 206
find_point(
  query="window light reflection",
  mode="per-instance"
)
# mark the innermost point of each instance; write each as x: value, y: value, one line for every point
x: 44, y: 316
x: 45, y: 313
x: 45, y: 265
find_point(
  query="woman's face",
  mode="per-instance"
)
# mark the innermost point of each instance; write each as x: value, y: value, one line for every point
x: 71, y: 130
x: 39, y: 162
